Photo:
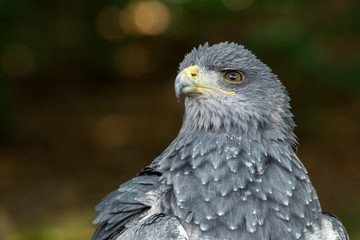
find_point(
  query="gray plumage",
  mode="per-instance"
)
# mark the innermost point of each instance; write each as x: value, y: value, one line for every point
x: 231, y: 173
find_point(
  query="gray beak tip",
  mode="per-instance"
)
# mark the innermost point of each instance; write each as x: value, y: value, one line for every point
x: 177, y: 86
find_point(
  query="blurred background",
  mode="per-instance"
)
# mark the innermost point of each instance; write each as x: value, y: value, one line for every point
x: 87, y: 99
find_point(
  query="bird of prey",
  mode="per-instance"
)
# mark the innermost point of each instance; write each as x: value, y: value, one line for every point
x: 232, y: 172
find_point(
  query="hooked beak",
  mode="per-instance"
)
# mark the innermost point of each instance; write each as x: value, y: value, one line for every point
x: 185, y: 81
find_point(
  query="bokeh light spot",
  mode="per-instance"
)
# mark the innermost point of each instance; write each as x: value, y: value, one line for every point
x: 151, y: 18
x: 107, y: 24
x: 145, y: 18
x: 112, y: 130
x: 133, y: 61
x: 17, y: 60
x: 127, y: 22
x: 237, y: 5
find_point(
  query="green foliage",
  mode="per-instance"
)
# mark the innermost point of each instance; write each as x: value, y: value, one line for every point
x: 70, y: 227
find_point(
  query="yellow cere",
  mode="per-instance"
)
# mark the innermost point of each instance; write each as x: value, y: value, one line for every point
x: 193, y: 71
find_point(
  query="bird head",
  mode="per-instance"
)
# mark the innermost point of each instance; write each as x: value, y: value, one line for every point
x: 225, y: 85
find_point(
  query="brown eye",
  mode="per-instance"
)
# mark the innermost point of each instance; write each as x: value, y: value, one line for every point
x: 233, y: 76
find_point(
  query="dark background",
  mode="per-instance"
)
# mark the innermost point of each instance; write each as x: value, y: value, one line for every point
x: 87, y: 99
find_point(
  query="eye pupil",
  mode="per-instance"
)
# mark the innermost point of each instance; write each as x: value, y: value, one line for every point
x: 232, y: 77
